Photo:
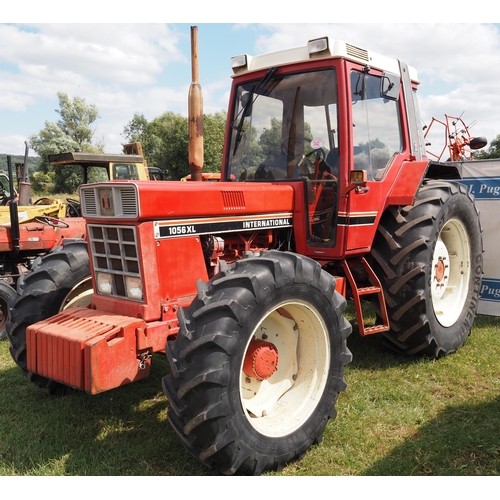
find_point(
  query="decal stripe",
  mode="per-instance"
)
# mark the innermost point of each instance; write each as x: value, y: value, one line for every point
x: 357, y: 218
x: 215, y: 225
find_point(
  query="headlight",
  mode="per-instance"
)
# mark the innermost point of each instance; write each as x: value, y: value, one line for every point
x: 104, y: 283
x: 318, y: 46
x: 238, y: 62
x: 133, y: 287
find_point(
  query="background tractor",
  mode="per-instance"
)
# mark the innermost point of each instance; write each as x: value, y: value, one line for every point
x: 42, y: 243
x: 326, y: 193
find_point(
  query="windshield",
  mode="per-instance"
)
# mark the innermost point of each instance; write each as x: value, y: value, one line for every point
x: 282, y: 125
x: 125, y: 171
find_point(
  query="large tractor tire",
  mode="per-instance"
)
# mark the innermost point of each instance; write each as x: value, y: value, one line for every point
x: 258, y: 363
x: 7, y: 294
x: 57, y: 281
x: 430, y: 258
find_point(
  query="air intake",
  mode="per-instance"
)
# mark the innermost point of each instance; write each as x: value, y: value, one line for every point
x: 357, y: 52
x: 110, y: 200
x: 233, y: 200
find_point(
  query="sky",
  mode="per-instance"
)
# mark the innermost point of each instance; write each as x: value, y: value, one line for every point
x: 143, y: 66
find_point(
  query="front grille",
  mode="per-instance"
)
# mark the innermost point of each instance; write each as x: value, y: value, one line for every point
x: 128, y: 201
x: 108, y: 200
x: 115, y: 251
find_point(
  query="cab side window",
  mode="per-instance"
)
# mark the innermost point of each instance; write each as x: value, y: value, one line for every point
x: 376, y: 125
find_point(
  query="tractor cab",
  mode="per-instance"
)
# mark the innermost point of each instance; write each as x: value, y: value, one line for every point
x: 98, y: 167
x: 330, y: 120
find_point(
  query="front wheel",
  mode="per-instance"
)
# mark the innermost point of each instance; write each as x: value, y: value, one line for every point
x: 258, y: 364
x: 57, y: 281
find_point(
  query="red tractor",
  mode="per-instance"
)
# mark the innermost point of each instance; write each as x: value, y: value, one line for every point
x: 326, y: 193
x: 43, y: 252
x: 28, y: 231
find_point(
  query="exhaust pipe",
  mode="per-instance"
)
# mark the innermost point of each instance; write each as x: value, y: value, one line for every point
x: 14, y: 216
x: 24, y: 183
x: 195, y: 114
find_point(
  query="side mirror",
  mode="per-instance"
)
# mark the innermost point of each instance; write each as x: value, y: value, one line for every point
x: 390, y: 85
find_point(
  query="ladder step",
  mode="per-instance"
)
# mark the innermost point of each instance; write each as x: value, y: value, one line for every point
x: 370, y: 330
x: 368, y: 290
x: 375, y: 288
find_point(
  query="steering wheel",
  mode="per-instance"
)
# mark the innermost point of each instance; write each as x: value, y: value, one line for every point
x: 305, y: 165
x: 319, y: 152
x: 52, y: 221
x: 4, y: 198
x: 42, y: 201
x: 73, y: 208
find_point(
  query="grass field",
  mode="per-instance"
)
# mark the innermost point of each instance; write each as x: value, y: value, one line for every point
x: 399, y: 417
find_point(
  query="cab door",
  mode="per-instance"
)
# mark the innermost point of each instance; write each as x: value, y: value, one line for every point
x: 377, y: 144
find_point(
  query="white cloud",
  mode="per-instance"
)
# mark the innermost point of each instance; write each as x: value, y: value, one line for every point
x: 7, y: 140
x: 120, y: 67
x: 464, y: 58
x: 118, y: 53
x: 117, y: 67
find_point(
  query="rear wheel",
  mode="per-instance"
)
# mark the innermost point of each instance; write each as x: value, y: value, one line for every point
x: 57, y: 281
x: 258, y: 364
x: 430, y: 258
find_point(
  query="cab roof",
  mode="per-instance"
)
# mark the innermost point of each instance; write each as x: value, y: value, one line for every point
x: 97, y: 159
x: 319, y: 48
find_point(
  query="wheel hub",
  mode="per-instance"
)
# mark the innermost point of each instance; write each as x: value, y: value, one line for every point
x: 261, y: 360
x: 441, y: 270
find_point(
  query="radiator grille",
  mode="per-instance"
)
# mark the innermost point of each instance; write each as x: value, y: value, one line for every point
x: 115, y: 252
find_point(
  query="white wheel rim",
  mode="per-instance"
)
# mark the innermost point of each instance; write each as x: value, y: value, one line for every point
x: 79, y: 296
x: 451, y: 268
x: 282, y: 403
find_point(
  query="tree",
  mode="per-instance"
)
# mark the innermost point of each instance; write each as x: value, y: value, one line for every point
x: 139, y: 130
x: 74, y: 130
x: 165, y: 141
x: 213, y: 141
x: 77, y: 118
x: 270, y: 139
x: 493, y: 150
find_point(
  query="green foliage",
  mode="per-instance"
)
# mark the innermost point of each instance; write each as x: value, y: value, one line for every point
x: 213, y: 140
x: 42, y: 182
x: 74, y: 130
x: 139, y: 130
x: 492, y: 152
x: 270, y: 139
x: 171, y: 154
x: 33, y: 162
x: 165, y: 141
x: 77, y: 118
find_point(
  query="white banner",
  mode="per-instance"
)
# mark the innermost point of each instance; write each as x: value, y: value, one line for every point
x: 483, y: 179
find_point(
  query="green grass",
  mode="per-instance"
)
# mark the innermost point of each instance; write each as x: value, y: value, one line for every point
x: 399, y: 417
